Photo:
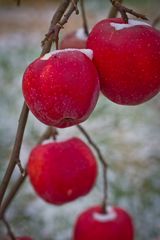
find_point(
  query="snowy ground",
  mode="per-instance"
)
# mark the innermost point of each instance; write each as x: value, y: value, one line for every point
x: 129, y: 138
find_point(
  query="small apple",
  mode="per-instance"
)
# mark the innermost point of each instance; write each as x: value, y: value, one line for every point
x: 75, y: 39
x: 61, y: 88
x: 93, y: 224
x: 127, y: 57
x: 62, y: 171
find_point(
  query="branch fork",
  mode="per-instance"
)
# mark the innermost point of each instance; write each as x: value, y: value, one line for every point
x: 124, y: 10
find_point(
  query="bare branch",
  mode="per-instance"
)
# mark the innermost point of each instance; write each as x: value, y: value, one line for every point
x: 49, y: 132
x: 9, y: 230
x: 21, y: 169
x: 113, y: 12
x: 156, y: 21
x: 54, y: 31
x: 124, y: 10
x: 12, y: 194
x: 15, y: 152
x: 24, y: 114
x: 84, y: 18
x: 103, y: 162
x: 18, y: 3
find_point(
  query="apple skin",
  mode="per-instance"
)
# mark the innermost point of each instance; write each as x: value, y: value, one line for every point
x: 61, y: 90
x: 62, y: 171
x: 74, y: 39
x: 88, y: 227
x: 127, y: 61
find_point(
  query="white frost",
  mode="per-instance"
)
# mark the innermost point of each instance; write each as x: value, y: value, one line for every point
x: 131, y: 23
x: 87, y: 52
x: 80, y: 34
x: 47, y: 56
x: 110, y: 216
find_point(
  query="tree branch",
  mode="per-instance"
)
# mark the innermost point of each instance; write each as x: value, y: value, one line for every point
x: 124, y: 10
x: 84, y: 18
x: 15, y: 152
x: 9, y: 230
x: 113, y: 12
x: 49, y: 132
x: 18, y: 3
x: 103, y: 162
x: 55, y: 29
x: 24, y: 114
x: 156, y: 21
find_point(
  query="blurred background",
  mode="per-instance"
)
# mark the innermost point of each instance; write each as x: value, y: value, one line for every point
x: 129, y: 137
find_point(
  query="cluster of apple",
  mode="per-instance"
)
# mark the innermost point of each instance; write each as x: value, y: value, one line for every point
x: 62, y: 88
x: 61, y: 172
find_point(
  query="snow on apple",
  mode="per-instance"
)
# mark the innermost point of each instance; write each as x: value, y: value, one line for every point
x: 62, y: 90
x: 89, y: 227
x: 127, y: 57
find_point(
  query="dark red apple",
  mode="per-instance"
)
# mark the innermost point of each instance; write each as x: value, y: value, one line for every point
x: 93, y: 224
x: 62, y: 88
x: 62, y: 171
x: 75, y: 39
x: 127, y: 57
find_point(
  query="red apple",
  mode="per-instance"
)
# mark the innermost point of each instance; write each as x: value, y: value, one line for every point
x: 62, y: 88
x: 127, y: 57
x: 75, y: 39
x: 62, y: 171
x: 93, y: 224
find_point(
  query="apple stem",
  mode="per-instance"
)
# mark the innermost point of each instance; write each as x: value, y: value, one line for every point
x: 84, y: 18
x: 9, y: 230
x: 124, y: 10
x: 103, y: 162
x: 113, y: 12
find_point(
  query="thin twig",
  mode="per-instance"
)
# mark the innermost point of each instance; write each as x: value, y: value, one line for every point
x: 15, y: 152
x: 12, y: 194
x: 103, y: 162
x: 156, y: 21
x: 49, y: 132
x: 56, y: 18
x: 24, y: 114
x: 21, y: 169
x: 9, y: 230
x: 18, y: 3
x: 54, y: 31
x: 84, y: 18
x: 124, y: 10
x: 113, y: 12
x: 74, y: 2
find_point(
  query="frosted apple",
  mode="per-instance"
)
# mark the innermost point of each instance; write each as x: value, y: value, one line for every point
x: 62, y: 88
x: 74, y: 39
x: 93, y: 224
x: 62, y: 171
x: 127, y: 57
